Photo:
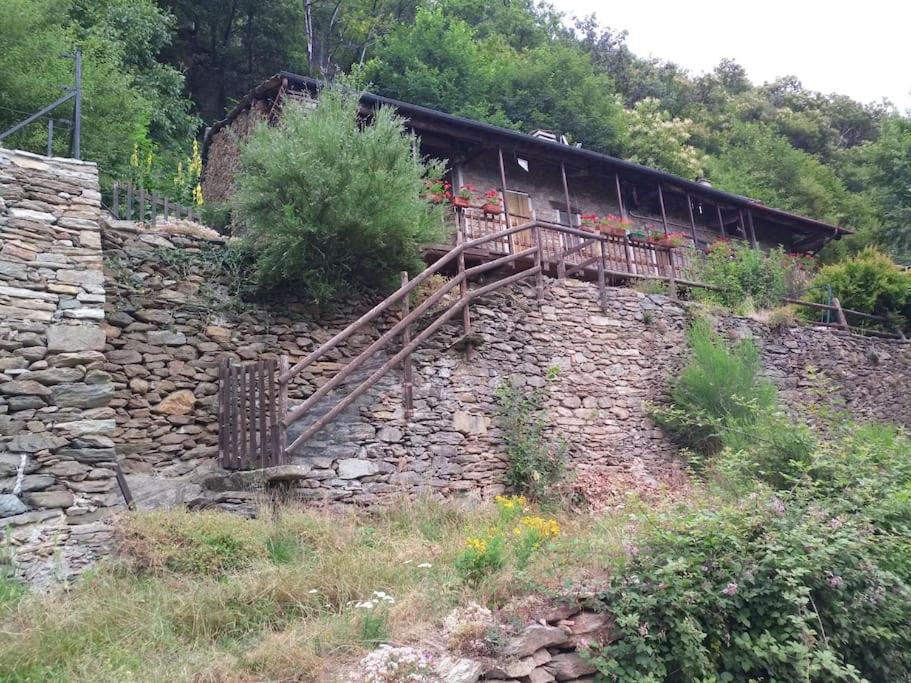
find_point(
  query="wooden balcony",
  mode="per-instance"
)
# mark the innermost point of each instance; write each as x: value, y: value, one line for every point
x: 572, y: 254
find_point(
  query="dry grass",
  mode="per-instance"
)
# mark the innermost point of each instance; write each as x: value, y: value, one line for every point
x: 213, y: 597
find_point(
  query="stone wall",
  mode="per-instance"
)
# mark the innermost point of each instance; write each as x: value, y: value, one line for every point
x: 56, y: 457
x: 170, y: 323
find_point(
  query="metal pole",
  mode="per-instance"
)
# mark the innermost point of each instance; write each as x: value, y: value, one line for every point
x: 50, y: 137
x: 77, y: 107
x: 37, y: 115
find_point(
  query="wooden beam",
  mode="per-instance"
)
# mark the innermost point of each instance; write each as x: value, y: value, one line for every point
x: 752, y: 228
x: 407, y: 374
x: 689, y: 206
x: 569, y: 208
x: 505, y: 205
x: 620, y: 196
x: 724, y: 233
x: 663, y: 212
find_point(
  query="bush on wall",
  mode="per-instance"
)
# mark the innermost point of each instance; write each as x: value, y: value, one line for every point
x: 331, y: 202
x: 747, y: 278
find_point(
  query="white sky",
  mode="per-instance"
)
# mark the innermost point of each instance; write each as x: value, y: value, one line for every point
x: 860, y: 49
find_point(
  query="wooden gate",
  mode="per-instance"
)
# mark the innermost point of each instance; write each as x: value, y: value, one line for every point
x: 249, y: 430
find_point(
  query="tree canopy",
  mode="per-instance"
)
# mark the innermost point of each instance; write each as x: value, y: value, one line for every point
x: 153, y: 66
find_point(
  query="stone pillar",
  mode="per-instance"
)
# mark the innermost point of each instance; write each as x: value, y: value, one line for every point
x: 56, y: 456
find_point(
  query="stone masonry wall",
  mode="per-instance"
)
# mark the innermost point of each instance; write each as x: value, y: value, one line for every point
x: 56, y: 457
x: 169, y: 323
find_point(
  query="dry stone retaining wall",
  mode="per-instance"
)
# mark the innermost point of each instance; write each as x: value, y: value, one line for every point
x: 168, y: 325
x: 56, y: 456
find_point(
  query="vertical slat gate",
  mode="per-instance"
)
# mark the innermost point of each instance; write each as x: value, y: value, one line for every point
x: 249, y: 429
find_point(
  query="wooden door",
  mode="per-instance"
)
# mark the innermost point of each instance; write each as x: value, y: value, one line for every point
x: 519, y: 206
x: 248, y: 420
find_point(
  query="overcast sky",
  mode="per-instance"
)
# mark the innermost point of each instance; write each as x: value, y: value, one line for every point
x: 861, y: 49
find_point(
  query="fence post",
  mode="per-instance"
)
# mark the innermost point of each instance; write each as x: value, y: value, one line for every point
x: 840, y: 314
x: 166, y: 209
x: 116, y: 202
x: 463, y: 286
x: 407, y: 374
x: 628, y: 253
x: 129, y: 215
x: 539, y: 262
x: 672, y: 273
x: 142, y: 206
x: 602, y: 262
x: 282, y: 410
x: 154, y: 209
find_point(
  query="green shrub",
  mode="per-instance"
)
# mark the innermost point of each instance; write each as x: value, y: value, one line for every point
x: 766, y: 589
x: 480, y: 558
x: 748, y: 278
x: 719, y: 388
x: 772, y: 448
x: 331, y: 202
x: 216, y: 215
x: 536, y: 465
x: 870, y: 282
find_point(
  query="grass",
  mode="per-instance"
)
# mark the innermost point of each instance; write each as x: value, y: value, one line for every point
x: 213, y: 597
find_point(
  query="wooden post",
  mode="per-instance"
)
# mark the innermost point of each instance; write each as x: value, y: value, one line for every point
x: 724, y: 233
x: 672, y: 273
x: 166, y: 206
x: 142, y: 206
x: 752, y: 229
x: 463, y: 287
x: 602, y: 290
x: 539, y: 262
x: 407, y: 374
x: 689, y: 205
x: 263, y: 408
x: 505, y: 206
x: 129, y: 215
x: 628, y: 252
x: 154, y: 209
x: 619, y: 196
x: 116, y: 197
x: 569, y: 207
x: 840, y: 314
x: 282, y: 408
x: 663, y: 213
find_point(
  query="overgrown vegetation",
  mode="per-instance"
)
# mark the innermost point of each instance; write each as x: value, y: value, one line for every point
x: 332, y: 203
x: 799, y: 570
x: 537, y: 462
x: 870, y: 282
x: 748, y: 279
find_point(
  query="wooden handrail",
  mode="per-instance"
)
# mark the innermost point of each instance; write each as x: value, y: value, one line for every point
x: 406, y: 350
x: 394, y: 298
x: 394, y: 331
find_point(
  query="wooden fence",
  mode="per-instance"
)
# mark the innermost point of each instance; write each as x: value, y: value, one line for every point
x: 136, y: 204
x: 249, y: 411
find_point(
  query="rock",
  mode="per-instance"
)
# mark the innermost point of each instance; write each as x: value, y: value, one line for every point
x: 177, y: 403
x: 390, y: 434
x: 88, y: 455
x: 82, y: 395
x: 24, y: 387
x: 17, y: 403
x: 166, y: 338
x: 469, y: 424
x: 71, y: 360
x: 32, y: 443
x: 124, y: 356
x: 50, y: 499
x: 154, y: 315
x: 70, y: 338
x: 567, y: 666
x: 534, y: 638
x: 11, y: 505
x: 541, y: 675
x: 354, y: 468
x: 286, y: 473
x: 30, y: 482
x: 589, y: 622
x: 459, y: 670
x: 55, y: 375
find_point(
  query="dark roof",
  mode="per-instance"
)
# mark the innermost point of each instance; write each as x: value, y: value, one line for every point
x: 488, y: 132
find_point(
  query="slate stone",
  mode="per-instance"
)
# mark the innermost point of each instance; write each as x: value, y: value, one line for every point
x: 88, y: 455
x: 24, y: 387
x: 166, y: 338
x: 50, y: 499
x: 54, y: 376
x: 11, y: 505
x: 18, y: 403
x: 70, y: 338
x: 124, y: 356
x: 81, y: 395
x: 32, y: 443
x: 30, y: 482
x: 353, y: 468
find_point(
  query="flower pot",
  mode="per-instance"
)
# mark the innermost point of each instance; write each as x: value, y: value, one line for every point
x: 461, y: 202
x: 615, y: 232
x: 492, y: 209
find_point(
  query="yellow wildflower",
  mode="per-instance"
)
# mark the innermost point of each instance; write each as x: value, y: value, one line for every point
x: 479, y: 545
x: 546, y: 527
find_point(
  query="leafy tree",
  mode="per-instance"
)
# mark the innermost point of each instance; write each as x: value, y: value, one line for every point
x: 116, y: 114
x: 890, y: 176
x: 656, y: 139
x: 332, y: 203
